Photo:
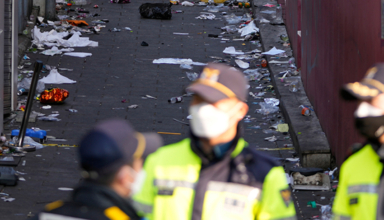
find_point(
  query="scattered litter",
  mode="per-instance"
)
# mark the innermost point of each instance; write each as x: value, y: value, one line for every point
x: 269, y: 5
x: 177, y: 33
x: 177, y: 61
x: 242, y: 64
x: 133, y: 106
x: 268, y: 12
x: 267, y: 109
x: 156, y: 10
x: 187, y: 3
x: 26, y: 57
x: 271, y: 139
x: 46, y: 107
x: 65, y: 189
x: 144, y: 44
x: 53, y: 95
x: 232, y: 51
x: 180, y: 121
x: 148, y: 97
x: 274, y: 51
x: 21, y: 178
x: 186, y: 66
x: 78, y: 54
x: 232, y: 19
x: 54, y: 50
x: 272, y: 101
x: 71, y: 110
x: 192, y: 76
x: 54, y: 38
x: 114, y: 30
x: 282, y: 128
x: 249, y: 29
x: 278, y: 62
x: 206, y: 16
x: 54, y: 77
x: 8, y: 199
x: 128, y: 28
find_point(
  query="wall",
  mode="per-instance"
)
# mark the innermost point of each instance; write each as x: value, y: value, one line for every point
x: 340, y: 41
x: 7, y: 56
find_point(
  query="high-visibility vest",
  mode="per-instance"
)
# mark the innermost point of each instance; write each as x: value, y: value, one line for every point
x: 356, y: 195
x: 173, y: 171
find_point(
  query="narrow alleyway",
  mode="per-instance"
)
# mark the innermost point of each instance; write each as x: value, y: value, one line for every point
x: 121, y: 69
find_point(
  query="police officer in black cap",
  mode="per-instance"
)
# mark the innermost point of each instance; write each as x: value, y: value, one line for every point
x: 111, y: 156
x: 362, y: 173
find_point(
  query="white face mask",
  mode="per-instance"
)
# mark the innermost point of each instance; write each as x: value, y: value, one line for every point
x: 367, y: 110
x: 138, y: 183
x: 208, y: 121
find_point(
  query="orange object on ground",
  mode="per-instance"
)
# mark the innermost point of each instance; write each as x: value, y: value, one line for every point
x: 77, y: 22
x: 247, y: 5
x: 69, y: 4
x: 264, y: 63
x: 55, y: 95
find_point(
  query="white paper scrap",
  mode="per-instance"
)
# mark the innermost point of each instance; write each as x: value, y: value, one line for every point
x: 242, y: 64
x: 55, y: 77
x: 78, y: 54
x: 249, y: 29
x: 232, y: 51
x: 274, y: 51
x: 278, y: 62
x: 177, y: 61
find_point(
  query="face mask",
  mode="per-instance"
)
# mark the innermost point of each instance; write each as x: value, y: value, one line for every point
x: 137, y: 184
x: 369, y: 120
x: 208, y: 121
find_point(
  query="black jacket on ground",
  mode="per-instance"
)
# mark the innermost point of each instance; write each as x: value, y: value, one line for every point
x: 92, y: 201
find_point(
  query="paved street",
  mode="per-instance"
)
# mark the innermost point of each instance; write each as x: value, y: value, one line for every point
x: 121, y: 69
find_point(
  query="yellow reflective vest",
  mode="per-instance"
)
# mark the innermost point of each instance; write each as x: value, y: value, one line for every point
x: 356, y: 196
x: 172, y: 175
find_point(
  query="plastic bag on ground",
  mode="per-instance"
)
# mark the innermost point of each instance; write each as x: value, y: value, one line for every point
x: 267, y: 109
x: 192, y: 76
x: 28, y: 141
x: 55, y: 77
x: 232, y: 19
x: 187, y: 3
x: 253, y: 75
x: 156, y: 10
x: 249, y: 29
x: 26, y: 84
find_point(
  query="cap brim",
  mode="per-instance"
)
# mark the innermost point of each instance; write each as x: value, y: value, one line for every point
x: 208, y: 93
x: 153, y: 141
x: 348, y: 93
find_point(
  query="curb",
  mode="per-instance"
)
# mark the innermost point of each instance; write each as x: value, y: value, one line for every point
x: 306, y: 132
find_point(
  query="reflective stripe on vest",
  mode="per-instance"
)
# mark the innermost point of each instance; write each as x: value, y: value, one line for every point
x: 142, y: 207
x: 170, y: 184
x: 366, y: 188
x: 340, y: 217
x: 251, y: 192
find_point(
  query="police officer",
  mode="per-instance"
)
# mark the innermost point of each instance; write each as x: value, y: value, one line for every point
x: 356, y: 196
x: 111, y: 156
x: 214, y: 174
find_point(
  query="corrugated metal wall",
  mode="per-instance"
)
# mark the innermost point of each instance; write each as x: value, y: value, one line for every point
x: 293, y: 23
x: 340, y: 41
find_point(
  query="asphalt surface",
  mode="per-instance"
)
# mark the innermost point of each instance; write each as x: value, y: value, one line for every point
x: 121, y: 69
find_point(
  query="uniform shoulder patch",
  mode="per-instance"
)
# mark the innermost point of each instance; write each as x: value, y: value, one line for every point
x: 286, y: 195
x: 114, y: 213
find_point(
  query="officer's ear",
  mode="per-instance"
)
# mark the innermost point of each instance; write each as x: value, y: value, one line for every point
x: 242, y: 111
x: 124, y: 175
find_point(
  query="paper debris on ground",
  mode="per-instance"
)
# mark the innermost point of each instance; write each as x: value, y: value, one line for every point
x: 78, y: 54
x: 177, y: 61
x: 232, y: 51
x: 187, y: 3
x: 242, y: 64
x: 54, y: 77
x: 249, y: 29
x: 282, y: 128
x: 54, y: 38
x: 271, y: 139
x: 278, y: 62
x: 206, y: 16
x: 274, y: 51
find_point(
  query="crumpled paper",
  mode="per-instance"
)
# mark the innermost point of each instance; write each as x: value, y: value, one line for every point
x: 54, y: 77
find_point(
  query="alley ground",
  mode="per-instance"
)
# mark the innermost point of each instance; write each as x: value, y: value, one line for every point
x: 121, y: 69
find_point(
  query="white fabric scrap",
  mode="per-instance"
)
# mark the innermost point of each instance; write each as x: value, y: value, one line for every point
x: 278, y: 62
x: 187, y: 3
x: 78, y: 54
x: 274, y: 51
x: 54, y: 50
x: 249, y: 29
x: 232, y: 51
x: 53, y: 38
x: 177, y: 61
x: 242, y: 64
x: 55, y: 77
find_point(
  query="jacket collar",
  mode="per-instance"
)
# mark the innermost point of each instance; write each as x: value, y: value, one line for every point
x: 237, y: 145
